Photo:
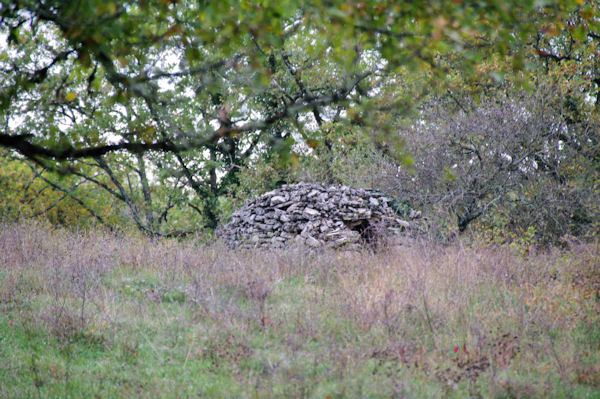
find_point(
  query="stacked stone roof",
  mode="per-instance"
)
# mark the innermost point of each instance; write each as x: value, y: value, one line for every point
x: 314, y: 215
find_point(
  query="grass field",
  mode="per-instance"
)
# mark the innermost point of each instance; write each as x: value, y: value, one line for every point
x: 94, y: 315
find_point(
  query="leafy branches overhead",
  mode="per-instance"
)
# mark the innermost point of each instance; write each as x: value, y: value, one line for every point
x: 70, y: 68
x: 198, y: 69
x: 134, y: 97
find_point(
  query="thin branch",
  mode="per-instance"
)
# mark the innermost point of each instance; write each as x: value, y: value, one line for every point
x: 134, y: 212
x: 73, y: 197
x: 229, y: 62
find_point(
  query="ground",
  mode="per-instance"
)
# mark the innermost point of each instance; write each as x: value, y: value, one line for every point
x: 96, y: 315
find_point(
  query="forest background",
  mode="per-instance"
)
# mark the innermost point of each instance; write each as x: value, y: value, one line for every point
x: 166, y: 116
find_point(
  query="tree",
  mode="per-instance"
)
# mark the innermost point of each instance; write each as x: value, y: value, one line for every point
x: 499, y: 163
x: 192, y: 91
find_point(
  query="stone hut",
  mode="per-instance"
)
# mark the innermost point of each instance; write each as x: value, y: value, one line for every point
x: 314, y: 215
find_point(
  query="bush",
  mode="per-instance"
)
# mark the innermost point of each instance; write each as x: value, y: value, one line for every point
x: 501, y: 167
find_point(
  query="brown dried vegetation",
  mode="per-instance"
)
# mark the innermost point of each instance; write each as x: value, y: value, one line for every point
x: 187, y: 318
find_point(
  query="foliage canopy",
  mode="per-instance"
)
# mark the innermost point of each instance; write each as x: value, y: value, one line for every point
x: 141, y: 96
x: 195, y: 73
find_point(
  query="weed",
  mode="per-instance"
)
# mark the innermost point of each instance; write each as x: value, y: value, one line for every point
x: 89, y: 313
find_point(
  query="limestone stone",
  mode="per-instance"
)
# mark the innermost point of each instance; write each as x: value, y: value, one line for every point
x: 310, y: 213
x: 277, y: 199
x: 312, y: 242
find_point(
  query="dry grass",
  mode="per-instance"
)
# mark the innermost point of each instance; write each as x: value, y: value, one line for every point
x: 85, y: 314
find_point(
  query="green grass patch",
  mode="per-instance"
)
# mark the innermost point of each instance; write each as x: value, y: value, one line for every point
x: 399, y: 323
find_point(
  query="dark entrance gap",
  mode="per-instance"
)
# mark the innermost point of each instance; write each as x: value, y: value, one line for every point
x: 365, y: 229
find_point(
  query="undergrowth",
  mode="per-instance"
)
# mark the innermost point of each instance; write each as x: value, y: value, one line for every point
x: 94, y: 315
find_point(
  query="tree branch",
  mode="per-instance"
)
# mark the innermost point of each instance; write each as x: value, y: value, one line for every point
x: 73, y: 197
x: 22, y: 143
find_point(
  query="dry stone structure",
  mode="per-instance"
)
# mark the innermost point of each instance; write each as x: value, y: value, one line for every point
x: 314, y: 215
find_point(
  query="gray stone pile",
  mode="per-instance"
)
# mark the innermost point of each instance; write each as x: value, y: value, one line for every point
x: 314, y: 215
